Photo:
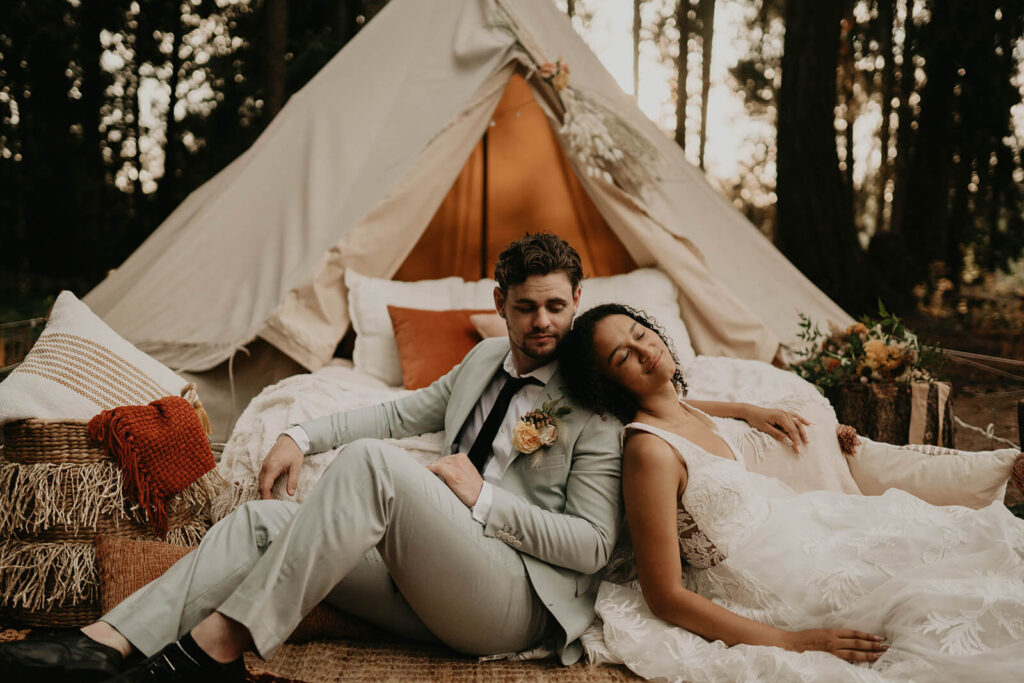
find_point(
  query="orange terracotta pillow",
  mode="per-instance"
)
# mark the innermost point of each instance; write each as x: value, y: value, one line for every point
x: 430, y: 343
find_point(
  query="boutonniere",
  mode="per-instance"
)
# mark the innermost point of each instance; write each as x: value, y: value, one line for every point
x: 538, y: 428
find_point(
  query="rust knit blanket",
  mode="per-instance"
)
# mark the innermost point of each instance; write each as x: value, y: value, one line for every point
x: 161, y: 449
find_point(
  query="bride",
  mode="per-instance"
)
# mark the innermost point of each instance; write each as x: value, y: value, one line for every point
x: 903, y: 589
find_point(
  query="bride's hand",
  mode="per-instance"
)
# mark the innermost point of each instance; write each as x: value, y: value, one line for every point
x: 784, y: 425
x: 853, y: 646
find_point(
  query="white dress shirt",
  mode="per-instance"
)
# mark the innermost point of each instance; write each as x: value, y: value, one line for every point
x: 502, y: 453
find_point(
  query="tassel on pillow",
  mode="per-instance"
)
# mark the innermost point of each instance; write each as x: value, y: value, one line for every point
x: 848, y: 439
x: 1017, y: 473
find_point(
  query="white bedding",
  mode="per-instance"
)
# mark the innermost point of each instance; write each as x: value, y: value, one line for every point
x: 339, y: 386
x: 293, y: 400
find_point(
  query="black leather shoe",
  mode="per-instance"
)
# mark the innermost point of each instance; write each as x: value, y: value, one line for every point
x: 167, y: 665
x: 63, y: 656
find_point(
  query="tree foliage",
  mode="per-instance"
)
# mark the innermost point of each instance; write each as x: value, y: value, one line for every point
x: 112, y: 112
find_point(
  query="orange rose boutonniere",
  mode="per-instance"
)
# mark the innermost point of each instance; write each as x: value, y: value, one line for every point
x: 538, y: 428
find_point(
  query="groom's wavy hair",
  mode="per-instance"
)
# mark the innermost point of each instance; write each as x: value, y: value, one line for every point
x: 537, y: 254
x: 577, y: 362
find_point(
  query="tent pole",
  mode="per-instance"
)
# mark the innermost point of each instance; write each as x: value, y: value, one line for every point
x: 483, y: 213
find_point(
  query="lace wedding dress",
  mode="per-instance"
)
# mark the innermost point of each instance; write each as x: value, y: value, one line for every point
x: 943, y: 585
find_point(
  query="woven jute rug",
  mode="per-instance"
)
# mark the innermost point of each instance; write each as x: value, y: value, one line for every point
x: 338, y: 660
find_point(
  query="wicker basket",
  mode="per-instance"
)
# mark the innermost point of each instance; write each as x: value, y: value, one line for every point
x: 58, y: 491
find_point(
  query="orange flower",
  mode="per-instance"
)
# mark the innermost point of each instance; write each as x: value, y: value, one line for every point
x: 525, y: 437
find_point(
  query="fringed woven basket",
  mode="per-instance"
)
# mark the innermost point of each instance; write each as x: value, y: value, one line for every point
x: 58, y: 491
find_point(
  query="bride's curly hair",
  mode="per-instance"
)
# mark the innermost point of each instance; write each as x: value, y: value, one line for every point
x: 577, y: 363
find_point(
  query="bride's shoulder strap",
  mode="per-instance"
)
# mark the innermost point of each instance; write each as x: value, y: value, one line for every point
x: 656, y: 432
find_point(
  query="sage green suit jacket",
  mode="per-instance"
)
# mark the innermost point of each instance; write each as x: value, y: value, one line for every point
x: 562, y: 514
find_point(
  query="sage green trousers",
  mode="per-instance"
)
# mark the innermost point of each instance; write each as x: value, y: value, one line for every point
x: 379, y: 536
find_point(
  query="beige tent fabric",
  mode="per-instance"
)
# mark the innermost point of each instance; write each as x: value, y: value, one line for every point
x: 355, y: 165
x: 313, y: 317
x: 213, y: 273
x: 718, y: 322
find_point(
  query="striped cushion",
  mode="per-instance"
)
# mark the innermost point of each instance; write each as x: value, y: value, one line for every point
x: 80, y: 366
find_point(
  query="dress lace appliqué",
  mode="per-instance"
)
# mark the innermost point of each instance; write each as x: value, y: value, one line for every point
x: 695, y: 547
x: 943, y: 585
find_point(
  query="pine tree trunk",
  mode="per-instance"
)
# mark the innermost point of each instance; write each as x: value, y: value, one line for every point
x: 707, y: 12
x: 92, y: 89
x: 636, y: 48
x: 904, y: 116
x: 172, y: 147
x: 886, y: 16
x: 926, y: 213
x: 815, y: 218
x: 277, y: 46
x: 847, y: 72
x: 683, y: 24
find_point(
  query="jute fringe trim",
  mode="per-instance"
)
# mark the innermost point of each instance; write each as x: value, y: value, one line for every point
x: 230, y: 497
x: 37, y: 497
x: 44, y: 495
x: 189, y: 533
x: 39, y: 576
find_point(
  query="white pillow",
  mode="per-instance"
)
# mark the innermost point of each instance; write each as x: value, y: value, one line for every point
x: 375, y: 351
x: 78, y: 367
x: 820, y: 464
x: 649, y: 290
x: 940, y: 476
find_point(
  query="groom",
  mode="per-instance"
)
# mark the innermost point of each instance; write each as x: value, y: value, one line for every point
x: 488, y: 550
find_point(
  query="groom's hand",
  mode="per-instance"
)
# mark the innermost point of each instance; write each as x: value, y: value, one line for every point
x: 460, y: 475
x: 284, y: 458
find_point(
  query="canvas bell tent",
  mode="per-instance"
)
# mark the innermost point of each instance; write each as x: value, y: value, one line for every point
x: 429, y: 142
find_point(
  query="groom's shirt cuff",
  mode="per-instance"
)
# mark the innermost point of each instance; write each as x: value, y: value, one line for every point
x: 483, y: 504
x: 299, y: 436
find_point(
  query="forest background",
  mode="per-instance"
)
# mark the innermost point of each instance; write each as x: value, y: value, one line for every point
x: 878, y: 143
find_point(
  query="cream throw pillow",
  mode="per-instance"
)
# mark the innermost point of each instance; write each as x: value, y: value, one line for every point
x: 80, y: 366
x: 820, y: 466
x: 376, y: 351
x: 940, y: 476
x: 489, y: 325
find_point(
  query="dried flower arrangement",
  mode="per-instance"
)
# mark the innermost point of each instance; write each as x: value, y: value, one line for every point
x: 878, y: 349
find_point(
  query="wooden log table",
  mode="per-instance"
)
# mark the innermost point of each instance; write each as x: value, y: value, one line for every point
x: 896, y: 412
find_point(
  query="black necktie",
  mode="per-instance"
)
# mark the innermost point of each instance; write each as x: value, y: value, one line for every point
x: 482, y: 444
